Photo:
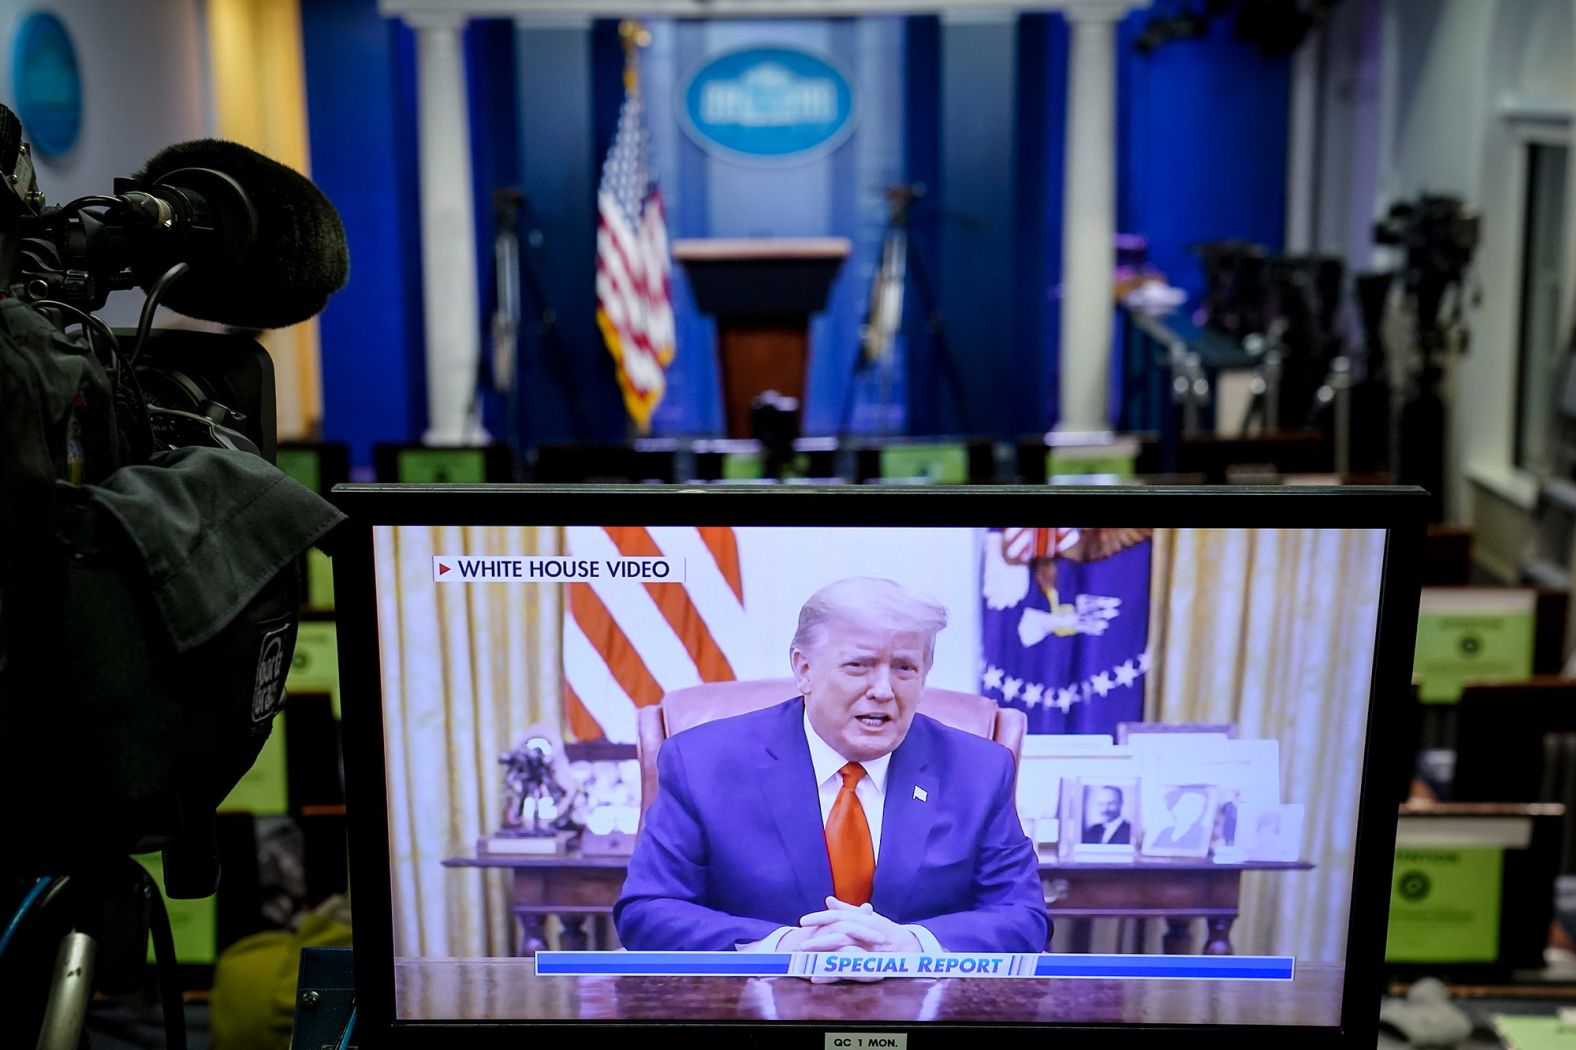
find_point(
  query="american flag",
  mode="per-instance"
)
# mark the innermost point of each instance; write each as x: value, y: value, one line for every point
x: 634, y: 302
x: 1021, y: 546
x: 626, y: 647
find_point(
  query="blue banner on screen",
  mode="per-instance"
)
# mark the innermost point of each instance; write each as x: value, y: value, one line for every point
x: 1065, y: 625
x: 945, y: 964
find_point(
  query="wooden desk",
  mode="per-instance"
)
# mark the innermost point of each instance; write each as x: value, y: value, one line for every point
x: 576, y: 888
x: 1175, y: 891
x: 509, y: 989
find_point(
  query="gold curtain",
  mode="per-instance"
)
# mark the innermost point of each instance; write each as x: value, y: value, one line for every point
x: 1273, y: 629
x: 259, y: 88
x: 467, y: 670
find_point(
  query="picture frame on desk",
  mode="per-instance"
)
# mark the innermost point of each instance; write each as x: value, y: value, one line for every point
x: 1040, y: 813
x: 1100, y: 819
x: 1048, y: 762
x: 1272, y: 833
x: 1187, y: 829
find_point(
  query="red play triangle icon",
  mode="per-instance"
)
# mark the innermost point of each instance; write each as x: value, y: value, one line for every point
x: 442, y: 568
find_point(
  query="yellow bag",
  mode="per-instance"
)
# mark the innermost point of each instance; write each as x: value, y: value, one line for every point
x: 254, y: 980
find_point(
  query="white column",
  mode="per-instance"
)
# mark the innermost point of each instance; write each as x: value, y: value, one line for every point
x: 1302, y: 145
x: 1089, y: 214
x: 448, y: 235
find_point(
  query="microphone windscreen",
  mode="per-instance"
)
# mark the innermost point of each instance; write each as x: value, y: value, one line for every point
x: 10, y: 140
x: 299, y: 257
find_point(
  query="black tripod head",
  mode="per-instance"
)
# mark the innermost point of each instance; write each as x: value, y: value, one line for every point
x: 1439, y: 234
x: 900, y: 198
x: 508, y: 202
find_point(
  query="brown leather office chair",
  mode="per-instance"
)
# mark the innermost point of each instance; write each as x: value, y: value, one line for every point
x: 685, y: 708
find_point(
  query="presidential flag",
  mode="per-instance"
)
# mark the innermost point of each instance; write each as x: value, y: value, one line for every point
x: 633, y: 295
x: 1065, y: 625
x: 626, y: 646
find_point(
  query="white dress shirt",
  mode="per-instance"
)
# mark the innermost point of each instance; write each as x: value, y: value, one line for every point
x: 1110, y: 827
x: 870, y: 791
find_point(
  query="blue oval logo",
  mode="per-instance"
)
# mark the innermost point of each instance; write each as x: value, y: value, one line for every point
x: 47, y: 84
x: 768, y: 105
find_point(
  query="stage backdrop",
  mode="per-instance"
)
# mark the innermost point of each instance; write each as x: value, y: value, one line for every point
x: 833, y: 193
x: 972, y: 108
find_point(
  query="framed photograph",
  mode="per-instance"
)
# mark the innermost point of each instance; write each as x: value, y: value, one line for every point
x: 1102, y: 817
x: 1040, y: 801
x: 1186, y: 821
x: 1270, y: 832
x: 1224, y: 845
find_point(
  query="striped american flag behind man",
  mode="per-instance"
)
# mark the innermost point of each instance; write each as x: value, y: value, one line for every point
x: 634, y: 302
x: 626, y: 646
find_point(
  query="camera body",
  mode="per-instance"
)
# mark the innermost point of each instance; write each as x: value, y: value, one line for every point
x: 1439, y: 235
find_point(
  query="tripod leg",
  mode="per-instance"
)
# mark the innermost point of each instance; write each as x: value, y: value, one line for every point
x: 69, y: 993
x: 845, y: 418
x: 555, y: 353
x: 949, y: 365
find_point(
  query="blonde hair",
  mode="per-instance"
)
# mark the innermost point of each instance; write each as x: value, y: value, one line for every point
x: 869, y: 601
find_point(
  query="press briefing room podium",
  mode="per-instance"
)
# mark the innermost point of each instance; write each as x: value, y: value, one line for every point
x: 762, y: 291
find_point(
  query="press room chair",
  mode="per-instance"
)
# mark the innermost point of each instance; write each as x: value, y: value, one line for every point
x: 685, y: 708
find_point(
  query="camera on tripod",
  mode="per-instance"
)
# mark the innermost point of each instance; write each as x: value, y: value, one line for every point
x: 1284, y: 309
x: 1439, y: 234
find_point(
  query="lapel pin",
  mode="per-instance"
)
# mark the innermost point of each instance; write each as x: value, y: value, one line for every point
x: 919, y: 793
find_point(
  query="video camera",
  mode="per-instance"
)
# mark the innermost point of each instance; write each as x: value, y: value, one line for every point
x: 1439, y: 235
x: 1289, y: 302
x: 149, y: 578
x: 209, y: 229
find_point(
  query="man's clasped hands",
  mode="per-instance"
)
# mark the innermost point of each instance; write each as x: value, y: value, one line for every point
x: 847, y: 927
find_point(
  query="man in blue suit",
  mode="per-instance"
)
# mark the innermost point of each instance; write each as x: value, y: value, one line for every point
x: 840, y: 818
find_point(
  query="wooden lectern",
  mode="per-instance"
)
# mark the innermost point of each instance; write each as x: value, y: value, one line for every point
x: 762, y: 291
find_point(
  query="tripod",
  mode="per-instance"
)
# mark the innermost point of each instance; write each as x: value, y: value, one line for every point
x: 884, y: 315
x: 1440, y: 235
x: 508, y: 263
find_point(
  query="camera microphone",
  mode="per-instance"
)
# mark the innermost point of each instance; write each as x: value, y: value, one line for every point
x: 277, y: 248
x: 263, y: 246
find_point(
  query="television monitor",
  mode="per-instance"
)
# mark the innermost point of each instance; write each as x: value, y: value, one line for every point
x: 804, y: 811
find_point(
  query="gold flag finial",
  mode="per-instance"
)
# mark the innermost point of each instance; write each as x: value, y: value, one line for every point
x: 634, y: 36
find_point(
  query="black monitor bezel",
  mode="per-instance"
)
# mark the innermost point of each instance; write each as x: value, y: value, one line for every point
x: 1402, y: 512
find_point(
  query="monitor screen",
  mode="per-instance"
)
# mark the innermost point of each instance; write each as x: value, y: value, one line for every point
x: 873, y: 760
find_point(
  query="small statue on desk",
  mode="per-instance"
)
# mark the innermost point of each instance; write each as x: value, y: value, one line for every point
x: 535, y: 816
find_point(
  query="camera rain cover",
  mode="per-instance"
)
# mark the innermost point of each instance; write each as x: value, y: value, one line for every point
x: 149, y: 614
x: 182, y: 593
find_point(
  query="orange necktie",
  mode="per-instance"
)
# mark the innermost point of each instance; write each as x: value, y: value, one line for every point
x: 848, y: 842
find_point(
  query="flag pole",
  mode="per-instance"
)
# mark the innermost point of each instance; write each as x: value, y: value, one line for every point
x: 634, y: 36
